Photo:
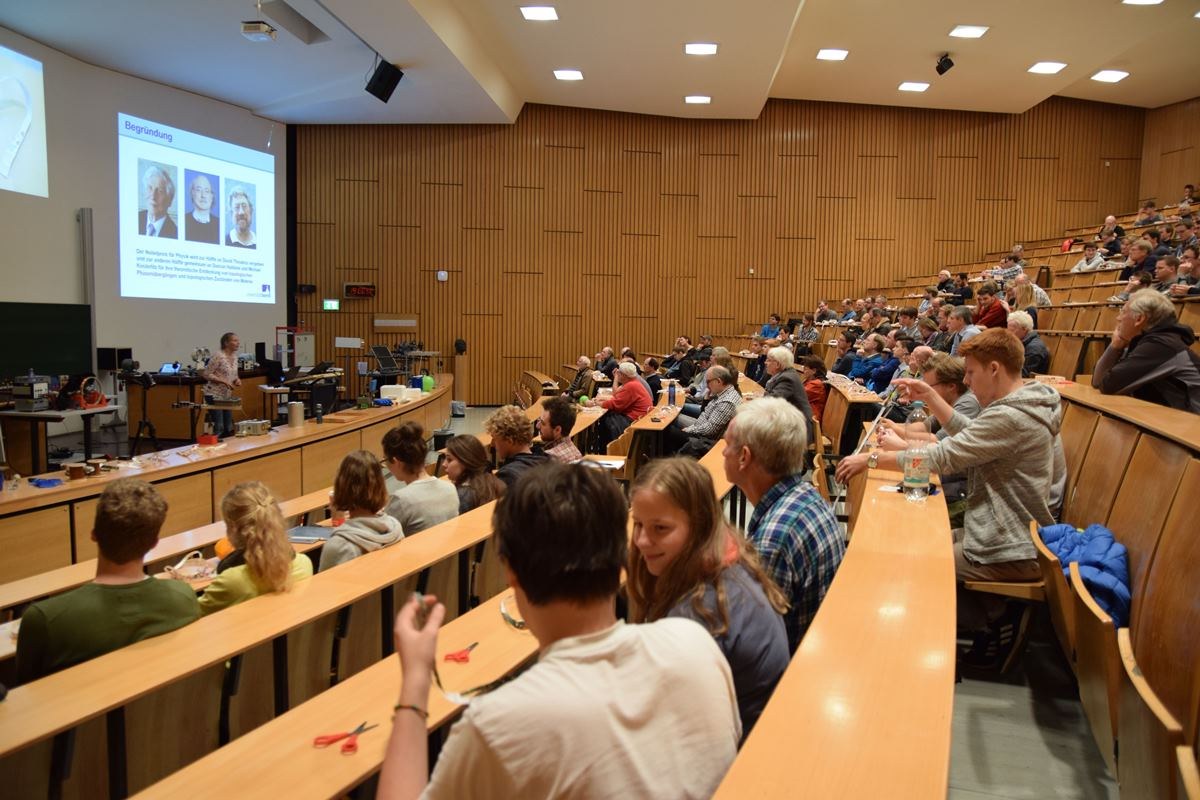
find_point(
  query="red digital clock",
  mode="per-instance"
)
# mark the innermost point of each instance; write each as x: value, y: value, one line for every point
x: 358, y: 291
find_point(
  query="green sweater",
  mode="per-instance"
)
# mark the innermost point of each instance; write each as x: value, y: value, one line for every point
x: 94, y: 619
x: 235, y: 585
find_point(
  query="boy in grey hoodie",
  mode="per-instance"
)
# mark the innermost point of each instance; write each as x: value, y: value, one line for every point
x: 1008, y: 455
x: 360, y: 491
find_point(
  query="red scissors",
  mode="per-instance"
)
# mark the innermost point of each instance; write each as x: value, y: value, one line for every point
x: 350, y: 746
x: 461, y: 656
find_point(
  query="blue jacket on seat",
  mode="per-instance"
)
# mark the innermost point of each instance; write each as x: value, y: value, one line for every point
x: 1103, y: 564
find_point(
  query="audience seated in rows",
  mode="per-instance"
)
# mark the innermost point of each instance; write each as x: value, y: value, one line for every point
x: 122, y: 604
x: 1110, y: 230
x: 1008, y: 453
x: 555, y: 426
x: 813, y: 372
x: 651, y: 375
x: 1091, y: 259
x: 945, y: 283
x: 845, y: 354
x: 263, y: 560
x: 786, y: 384
x: 417, y: 499
x: 1139, y: 260
x: 1023, y: 300
x: 772, y: 328
x: 945, y: 374
x: 1040, y: 298
x: 1166, y: 274
x: 659, y: 716
x: 1037, y: 355
x: 962, y: 290
x: 579, y: 384
x: 360, y: 493
x: 961, y: 327
x: 1137, y: 283
x: 1150, y: 356
x: 872, y: 346
x: 606, y: 362
x: 1158, y: 248
x: 907, y: 319
x: 806, y: 335
x: 989, y: 310
x: 512, y: 437
x: 687, y: 561
x: 695, y: 436
x: 848, y: 312
x: 793, y: 529
x: 1008, y: 270
x: 468, y: 468
x: 1148, y: 215
x: 824, y: 313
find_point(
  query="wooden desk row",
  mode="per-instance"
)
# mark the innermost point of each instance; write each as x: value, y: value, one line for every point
x: 44, y: 529
x: 284, y: 641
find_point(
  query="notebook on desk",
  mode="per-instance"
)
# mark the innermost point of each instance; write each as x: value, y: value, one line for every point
x: 308, y: 534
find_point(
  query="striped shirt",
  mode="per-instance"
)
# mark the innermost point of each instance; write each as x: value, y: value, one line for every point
x: 716, y: 415
x: 797, y: 537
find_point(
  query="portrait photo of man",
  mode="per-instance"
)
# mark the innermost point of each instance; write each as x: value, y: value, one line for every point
x: 201, y: 222
x: 156, y: 203
x: 240, y: 215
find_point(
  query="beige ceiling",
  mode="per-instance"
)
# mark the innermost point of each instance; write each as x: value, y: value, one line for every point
x: 479, y: 61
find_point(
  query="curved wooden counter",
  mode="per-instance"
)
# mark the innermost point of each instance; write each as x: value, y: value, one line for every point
x: 43, y: 529
x: 864, y: 708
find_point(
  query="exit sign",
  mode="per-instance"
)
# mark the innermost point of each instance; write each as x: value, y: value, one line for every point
x: 331, y: 305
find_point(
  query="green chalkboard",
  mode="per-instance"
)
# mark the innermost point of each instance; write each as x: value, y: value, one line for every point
x: 50, y: 338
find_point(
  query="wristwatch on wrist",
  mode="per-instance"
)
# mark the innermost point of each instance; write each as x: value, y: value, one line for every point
x: 873, y: 461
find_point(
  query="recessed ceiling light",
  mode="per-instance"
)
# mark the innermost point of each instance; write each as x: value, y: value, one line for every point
x: 1141, y: 2
x: 1110, y: 76
x: 832, y: 54
x: 568, y: 74
x: 697, y: 99
x: 913, y: 86
x: 1047, y: 68
x: 700, y: 49
x: 969, y: 31
x: 1198, y: 15
x: 539, y: 13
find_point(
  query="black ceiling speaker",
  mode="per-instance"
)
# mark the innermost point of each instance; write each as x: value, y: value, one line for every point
x: 944, y: 64
x: 383, y: 80
x: 460, y: 346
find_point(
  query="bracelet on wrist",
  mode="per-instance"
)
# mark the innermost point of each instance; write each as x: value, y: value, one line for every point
x: 420, y: 712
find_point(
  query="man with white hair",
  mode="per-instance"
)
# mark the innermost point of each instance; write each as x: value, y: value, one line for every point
x: 241, y: 211
x: 696, y: 436
x: 583, y: 369
x: 1037, y: 355
x: 785, y: 383
x: 158, y: 188
x: 629, y: 402
x: 793, y: 528
x: 945, y: 281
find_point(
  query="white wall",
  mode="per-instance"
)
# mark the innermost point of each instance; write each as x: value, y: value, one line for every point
x: 40, y: 259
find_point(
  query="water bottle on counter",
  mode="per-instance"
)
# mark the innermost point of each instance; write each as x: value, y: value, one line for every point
x: 319, y: 413
x: 671, y: 394
x: 916, y: 461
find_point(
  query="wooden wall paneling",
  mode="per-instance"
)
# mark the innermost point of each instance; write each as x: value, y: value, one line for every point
x: 822, y: 199
x: 189, y: 505
x: 1170, y: 151
x: 35, y: 542
x: 280, y: 472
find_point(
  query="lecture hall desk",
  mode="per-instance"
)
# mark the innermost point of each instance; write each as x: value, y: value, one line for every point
x: 43, y: 529
x: 864, y: 709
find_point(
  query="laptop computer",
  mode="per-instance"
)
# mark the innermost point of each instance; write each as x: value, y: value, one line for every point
x: 168, y: 368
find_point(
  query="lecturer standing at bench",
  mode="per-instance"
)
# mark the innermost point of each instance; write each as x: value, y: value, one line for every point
x: 222, y: 376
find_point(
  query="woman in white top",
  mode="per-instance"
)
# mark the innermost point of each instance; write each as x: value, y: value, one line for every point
x: 417, y: 499
x: 222, y: 376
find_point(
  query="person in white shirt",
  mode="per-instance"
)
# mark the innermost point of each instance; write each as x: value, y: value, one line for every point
x: 1091, y: 260
x: 609, y: 711
x: 416, y: 499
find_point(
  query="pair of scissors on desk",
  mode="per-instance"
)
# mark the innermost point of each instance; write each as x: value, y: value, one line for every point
x: 350, y: 746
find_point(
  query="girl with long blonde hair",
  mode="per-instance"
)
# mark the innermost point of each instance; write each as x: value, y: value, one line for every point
x: 263, y: 560
x: 687, y: 561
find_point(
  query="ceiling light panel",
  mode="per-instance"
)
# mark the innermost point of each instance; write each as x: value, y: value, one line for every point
x: 969, y: 31
x: 568, y: 74
x: 1141, y: 2
x: 1047, y: 68
x: 697, y: 99
x: 913, y: 86
x: 832, y: 54
x: 539, y: 13
x: 700, y: 49
x: 1110, y: 76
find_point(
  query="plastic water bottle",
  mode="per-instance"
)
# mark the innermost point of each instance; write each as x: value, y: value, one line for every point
x: 671, y: 394
x: 319, y: 413
x: 916, y: 463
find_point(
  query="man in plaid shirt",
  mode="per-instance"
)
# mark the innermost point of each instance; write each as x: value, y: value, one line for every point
x: 695, y: 437
x: 793, y: 528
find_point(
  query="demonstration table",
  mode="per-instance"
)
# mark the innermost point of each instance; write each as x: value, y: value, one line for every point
x: 38, y: 457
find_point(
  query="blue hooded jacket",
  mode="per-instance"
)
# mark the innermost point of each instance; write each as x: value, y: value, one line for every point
x: 1103, y: 564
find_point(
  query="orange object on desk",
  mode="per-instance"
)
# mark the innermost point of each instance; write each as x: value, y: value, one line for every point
x: 223, y: 547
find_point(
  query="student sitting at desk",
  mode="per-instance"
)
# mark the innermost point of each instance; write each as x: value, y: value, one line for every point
x: 418, y: 500
x: 263, y: 560
x: 122, y: 604
x: 359, y: 491
x: 468, y: 468
x: 688, y: 562
x: 609, y: 709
